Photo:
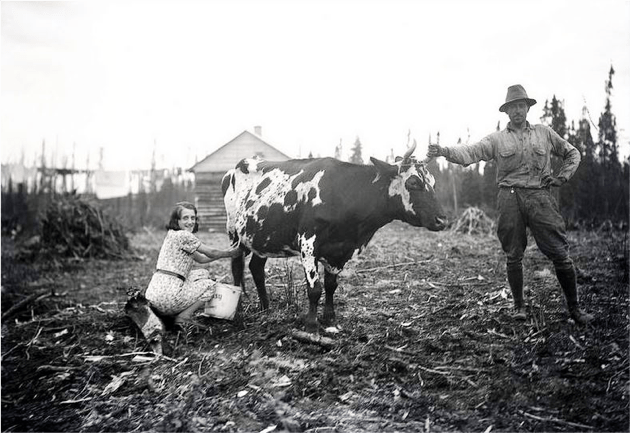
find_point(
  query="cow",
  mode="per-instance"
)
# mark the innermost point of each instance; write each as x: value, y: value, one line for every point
x: 323, y: 210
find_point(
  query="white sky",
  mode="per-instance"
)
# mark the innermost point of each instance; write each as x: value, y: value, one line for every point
x: 191, y: 75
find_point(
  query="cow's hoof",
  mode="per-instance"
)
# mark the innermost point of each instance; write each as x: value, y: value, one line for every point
x: 311, y: 327
x: 329, y: 320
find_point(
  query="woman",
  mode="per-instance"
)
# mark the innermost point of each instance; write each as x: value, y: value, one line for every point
x: 177, y: 289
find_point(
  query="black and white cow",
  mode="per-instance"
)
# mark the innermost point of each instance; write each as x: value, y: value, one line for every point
x: 324, y: 210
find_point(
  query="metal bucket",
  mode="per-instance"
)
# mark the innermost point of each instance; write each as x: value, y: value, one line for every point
x: 224, y: 301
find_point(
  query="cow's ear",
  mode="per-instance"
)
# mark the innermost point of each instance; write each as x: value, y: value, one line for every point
x: 384, y: 169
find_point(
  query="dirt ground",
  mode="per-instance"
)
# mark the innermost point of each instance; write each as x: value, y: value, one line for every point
x: 424, y: 342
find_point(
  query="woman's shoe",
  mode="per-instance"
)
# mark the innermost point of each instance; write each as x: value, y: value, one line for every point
x: 189, y: 326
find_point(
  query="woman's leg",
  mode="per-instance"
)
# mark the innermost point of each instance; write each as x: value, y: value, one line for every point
x: 198, y: 289
x: 186, y: 315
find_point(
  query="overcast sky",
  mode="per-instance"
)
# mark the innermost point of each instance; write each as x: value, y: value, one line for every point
x: 188, y: 76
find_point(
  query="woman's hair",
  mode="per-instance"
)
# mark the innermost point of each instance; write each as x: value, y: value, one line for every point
x: 176, y: 214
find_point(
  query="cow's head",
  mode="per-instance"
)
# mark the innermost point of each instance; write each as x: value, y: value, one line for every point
x: 411, y: 185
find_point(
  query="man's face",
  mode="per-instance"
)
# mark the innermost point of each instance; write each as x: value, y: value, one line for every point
x: 517, y: 111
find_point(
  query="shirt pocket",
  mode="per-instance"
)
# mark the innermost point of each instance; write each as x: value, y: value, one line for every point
x: 539, y: 156
x: 507, y: 158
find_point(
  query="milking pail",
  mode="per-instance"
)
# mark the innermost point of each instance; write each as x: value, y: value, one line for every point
x: 224, y: 301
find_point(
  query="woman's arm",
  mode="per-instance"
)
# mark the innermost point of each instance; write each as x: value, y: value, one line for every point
x: 205, y: 254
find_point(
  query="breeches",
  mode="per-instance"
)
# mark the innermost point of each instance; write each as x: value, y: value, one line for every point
x: 537, y: 209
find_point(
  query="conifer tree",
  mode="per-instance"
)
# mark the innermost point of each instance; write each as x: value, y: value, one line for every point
x: 356, y: 157
x: 489, y: 184
x: 555, y: 117
x: 612, y: 175
x: 471, y: 184
x: 585, y: 178
x: 338, y: 151
x: 608, y: 151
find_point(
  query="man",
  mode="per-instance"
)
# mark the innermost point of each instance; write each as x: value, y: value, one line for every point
x: 523, y: 157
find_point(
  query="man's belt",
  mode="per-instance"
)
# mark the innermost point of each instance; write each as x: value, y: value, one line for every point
x: 173, y: 274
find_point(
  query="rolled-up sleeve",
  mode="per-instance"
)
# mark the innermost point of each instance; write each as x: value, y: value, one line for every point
x: 468, y: 154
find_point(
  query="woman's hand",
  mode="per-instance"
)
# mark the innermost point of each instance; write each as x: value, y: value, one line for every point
x: 234, y: 252
x: 205, y: 254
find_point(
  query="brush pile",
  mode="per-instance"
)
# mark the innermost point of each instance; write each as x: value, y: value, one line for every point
x: 73, y: 227
x: 474, y: 221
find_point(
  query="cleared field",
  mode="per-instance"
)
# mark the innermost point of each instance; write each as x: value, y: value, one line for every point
x: 425, y: 343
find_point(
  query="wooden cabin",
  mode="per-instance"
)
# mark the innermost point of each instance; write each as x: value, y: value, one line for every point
x: 210, y: 170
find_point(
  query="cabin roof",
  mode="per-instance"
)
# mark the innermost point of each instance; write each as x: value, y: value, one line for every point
x: 244, y: 145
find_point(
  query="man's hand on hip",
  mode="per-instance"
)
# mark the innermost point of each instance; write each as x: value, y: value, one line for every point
x: 549, y: 180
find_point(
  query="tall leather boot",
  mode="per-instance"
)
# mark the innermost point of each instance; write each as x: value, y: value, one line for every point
x: 567, y: 280
x: 515, y: 278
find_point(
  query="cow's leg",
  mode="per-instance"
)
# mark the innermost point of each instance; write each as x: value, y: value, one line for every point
x: 309, y: 262
x: 314, y: 292
x: 238, y: 267
x: 330, y: 285
x: 257, y: 267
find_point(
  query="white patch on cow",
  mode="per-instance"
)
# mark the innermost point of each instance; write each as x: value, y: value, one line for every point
x: 429, y: 180
x: 303, y: 190
x: 397, y: 186
x: 252, y: 164
x: 307, y: 251
x: 242, y: 202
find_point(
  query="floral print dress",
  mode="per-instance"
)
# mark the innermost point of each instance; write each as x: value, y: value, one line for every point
x: 169, y: 294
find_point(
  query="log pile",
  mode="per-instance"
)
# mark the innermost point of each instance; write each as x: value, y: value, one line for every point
x: 474, y: 221
x: 73, y: 227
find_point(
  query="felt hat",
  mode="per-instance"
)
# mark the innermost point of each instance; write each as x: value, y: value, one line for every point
x: 516, y: 93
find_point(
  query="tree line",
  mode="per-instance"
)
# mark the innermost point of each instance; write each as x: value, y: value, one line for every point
x: 597, y: 193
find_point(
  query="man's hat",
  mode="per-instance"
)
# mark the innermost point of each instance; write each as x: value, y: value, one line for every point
x: 516, y: 93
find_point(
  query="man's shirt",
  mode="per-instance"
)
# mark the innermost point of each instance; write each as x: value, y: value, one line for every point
x: 521, y: 161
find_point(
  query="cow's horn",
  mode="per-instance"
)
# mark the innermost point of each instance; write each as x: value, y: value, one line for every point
x: 410, y: 151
